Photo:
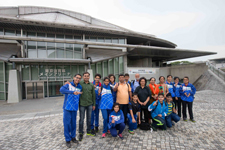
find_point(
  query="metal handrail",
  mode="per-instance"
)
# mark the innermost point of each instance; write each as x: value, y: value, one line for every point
x: 216, y: 71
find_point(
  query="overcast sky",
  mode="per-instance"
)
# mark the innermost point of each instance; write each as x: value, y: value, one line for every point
x: 192, y: 24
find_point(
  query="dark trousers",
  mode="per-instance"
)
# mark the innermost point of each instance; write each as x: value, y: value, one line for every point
x: 178, y: 105
x: 189, y: 105
x: 124, y: 108
x: 146, y: 114
x: 82, y: 110
x: 119, y: 127
x: 159, y: 122
x: 171, y: 117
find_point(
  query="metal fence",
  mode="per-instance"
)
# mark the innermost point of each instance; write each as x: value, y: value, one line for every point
x: 218, y: 72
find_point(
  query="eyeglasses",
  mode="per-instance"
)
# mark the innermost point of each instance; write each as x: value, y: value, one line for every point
x: 97, y: 78
x: 78, y: 78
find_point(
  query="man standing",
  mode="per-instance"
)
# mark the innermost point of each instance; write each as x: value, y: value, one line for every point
x: 135, y: 83
x: 87, y: 103
x: 123, y: 92
x: 72, y: 93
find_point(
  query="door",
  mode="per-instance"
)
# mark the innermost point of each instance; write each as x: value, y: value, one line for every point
x: 34, y: 90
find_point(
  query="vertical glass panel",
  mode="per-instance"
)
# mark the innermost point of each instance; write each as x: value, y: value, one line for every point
x: 77, y: 55
x: 108, y: 40
x: 101, y: 39
x: 121, y: 64
x: 87, y: 38
x: 6, y: 87
x: 77, y: 51
x: 54, y: 87
x: 99, y: 67
x: 68, y: 36
x: 32, y: 51
x: 116, y: 63
x: 25, y: 72
x: 10, y: 32
x: 1, y: 31
x: 69, y: 50
x: 51, y: 35
x: 60, y: 50
x: 43, y: 72
x: 66, y: 72
x: 51, y: 52
x: 2, y: 96
x: 59, y: 72
x: 121, y: 41
x: 18, y: 33
x: 40, y: 34
x: 76, y: 37
x: 23, y: 90
x: 111, y: 66
x: 31, y: 34
x: 93, y: 39
x: 41, y: 49
x: 81, y: 69
x: 51, y: 73
x: 73, y: 70
x: 45, y: 89
x: 115, y: 40
x: 34, y: 72
x: 105, y: 69
x: 1, y: 71
x: 8, y: 67
x: 59, y: 36
x: 2, y: 85
x: 93, y: 67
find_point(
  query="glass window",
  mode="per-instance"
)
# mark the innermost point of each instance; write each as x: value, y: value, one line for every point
x: 78, y: 51
x: 1, y: 31
x: 25, y: 72
x: 54, y: 87
x: 93, y: 39
x: 41, y: 50
x: 121, y: 64
x: 40, y: 34
x: 81, y: 69
x: 18, y: 33
x: 2, y: 96
x: 69, y: 50
x: 114, y: 40
x: 77, y: 37
x: 6, y: 87
x: 51, y: 35
x: 2, y: 85
x: 51, y: 52
x: 121, y: 41
x: 1, y: 71
x: 43, y: 72
x: 116, y: 63
x: 73, y: 70
x: 111, y: 66
x: 93, y: 67
x: 105, y: 69
x: 66, y: 72
x: 59, y: 72
x: 87, y: 38
x: 31, y: 34
x: 34, y: 72
x: 32, y: 53
x: 8, y: 67
x: 60, y: 50
x: 99, y: 67
x: 101, y: 39
x: 59, y: 36
x: 10, y: 32
x: 68, y: 36
x: 108, y: 40
x: 51, y: 73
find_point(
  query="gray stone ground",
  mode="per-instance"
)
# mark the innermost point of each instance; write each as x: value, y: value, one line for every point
x: 44, y: 130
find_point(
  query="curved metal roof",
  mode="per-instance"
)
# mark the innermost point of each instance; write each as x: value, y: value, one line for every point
x: 55, y: 17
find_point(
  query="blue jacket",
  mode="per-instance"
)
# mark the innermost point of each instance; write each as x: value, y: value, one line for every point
x: 176, y: 89
x: 118, y: 117
x: 114, y: 92
x: 71, y: 101
x: 106, y: 98
x: 187, y: 89
x: 158, y: 109
x: 170, y: 88
x: 97, y: 97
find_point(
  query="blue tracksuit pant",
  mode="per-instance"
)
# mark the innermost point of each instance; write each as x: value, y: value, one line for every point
x: 69, y: 122
x: 132, y: 126
x: 95, y: 117
x: 119, y: 127
x: 171, y: 117
x: 105, y: 115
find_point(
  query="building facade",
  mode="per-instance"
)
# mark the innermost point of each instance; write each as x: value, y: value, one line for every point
x: 48, y: 46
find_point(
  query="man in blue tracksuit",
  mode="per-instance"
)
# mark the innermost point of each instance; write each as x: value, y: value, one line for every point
x: 72, y: 92
x: 187, y: 92
x: 176, y: 89
x: 95, y: 113
x: 170, y: 86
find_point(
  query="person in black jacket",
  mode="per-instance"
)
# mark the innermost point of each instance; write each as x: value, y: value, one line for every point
x: 144, y: 96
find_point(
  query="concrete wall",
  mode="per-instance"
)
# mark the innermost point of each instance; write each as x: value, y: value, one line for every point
x: 193, y: 71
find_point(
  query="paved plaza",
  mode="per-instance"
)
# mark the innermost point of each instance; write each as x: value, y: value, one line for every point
x: 37, y: 124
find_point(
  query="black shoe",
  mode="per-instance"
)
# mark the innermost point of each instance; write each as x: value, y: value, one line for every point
x: 80, y: 137
x: 68, y: 144
x: 96, y: 130
x: 74, y: 140
x: 91, y: 133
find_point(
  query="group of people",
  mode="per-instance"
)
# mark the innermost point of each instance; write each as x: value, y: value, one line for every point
x: 124, y: 103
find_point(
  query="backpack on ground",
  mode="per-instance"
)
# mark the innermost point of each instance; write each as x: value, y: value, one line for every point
x: 145, y: 126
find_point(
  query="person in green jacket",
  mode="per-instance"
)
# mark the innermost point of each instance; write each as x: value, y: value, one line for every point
x: 87, y: 103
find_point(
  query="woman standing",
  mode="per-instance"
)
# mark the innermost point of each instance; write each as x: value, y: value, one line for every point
x: 162, y: 86
x: 144, y: 96
x: 112, y: 83
x: 154, y: 88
